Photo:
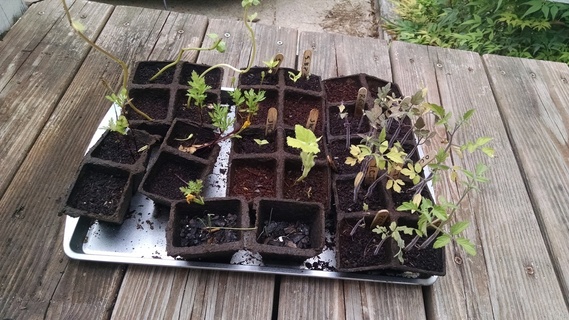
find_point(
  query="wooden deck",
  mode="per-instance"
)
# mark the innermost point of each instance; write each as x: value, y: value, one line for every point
x: 51, y: 102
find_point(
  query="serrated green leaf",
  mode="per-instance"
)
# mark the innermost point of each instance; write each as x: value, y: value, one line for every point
x: 408, y: 206
x: 458, y: 227
x: 441, y: 241
x: 467, y: 246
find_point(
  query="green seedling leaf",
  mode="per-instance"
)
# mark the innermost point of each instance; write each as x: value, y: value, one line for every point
x: 467, y: 246
x: 441, y: 241
x: 458, y: 227
x: 261, y: 142
x: 185, y: 139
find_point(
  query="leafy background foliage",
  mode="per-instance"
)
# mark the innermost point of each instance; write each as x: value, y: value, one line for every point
x: 536, y: 29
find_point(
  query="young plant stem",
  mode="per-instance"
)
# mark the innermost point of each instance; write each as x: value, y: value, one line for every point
x: 121, y: 63
x: 179, y: 57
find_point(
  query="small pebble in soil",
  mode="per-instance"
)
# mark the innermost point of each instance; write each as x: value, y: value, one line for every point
x: 289, y: 234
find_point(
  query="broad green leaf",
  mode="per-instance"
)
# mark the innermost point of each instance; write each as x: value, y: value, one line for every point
x: 442, y: 241
x: 408, y: 206
x: 467, y: 246
x: 459, y: 227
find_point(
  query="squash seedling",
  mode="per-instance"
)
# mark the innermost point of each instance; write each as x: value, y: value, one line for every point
x: 274, y: 63
x: 306, y: 141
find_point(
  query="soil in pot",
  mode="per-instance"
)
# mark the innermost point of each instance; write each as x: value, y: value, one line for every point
x: 342, y: 89
x: 345, y: 196
x: 153, y: 102
x: 169, y: 173
x: 181, y: 110
x: 297, y: 109
x: 121, y: 148
x: 375, y: 84
x: 314, y: 188
x: 337, y: 126
x: 253, y: 178
x: 271, y: 101
x: 310, y: 84
x: 254, y: 77
x: 427, y: 259
x: 193, y: 229
x: 358, y: 250
x: 147, y: 69
x: 212, y: 78
x: 98, y: 189
x: 285, y: 234
x: 339, y: 153
x: 180, y: 132
x: 247, y: 144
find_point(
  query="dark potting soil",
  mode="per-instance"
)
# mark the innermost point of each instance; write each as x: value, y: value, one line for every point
x: 153, y: 102
x: 98, y: 192
x: 212, y: 78
x: 345, y: 89
x: 169, y: 174
x: 314, y: 188
x: 375, y: 84
x: 311, y: 84
x: 192, y: 113
x: 339, y: 153
x: 362, y: 245
x: 253, y: 77
x: 247, y: 145
x: 285, y: 234
x: 147, y: 70
x: 338, y: 126
x: 193, y: 230
x: 252, y: 179
x: 345, y: 189
x: 119, y: 148
x: 297, y: 109
x: 428, y: 259
x: 271, y: 101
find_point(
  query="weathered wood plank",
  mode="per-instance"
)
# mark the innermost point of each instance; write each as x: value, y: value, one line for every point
x: 30, y: 95
x: 311, y: 298
x: 272, y: 40
x: 237, y: 40
x: 495, y: 283
x: 77, y: 115
x: 362, y: 55
x: 323, y: 53
x: 533, y: 97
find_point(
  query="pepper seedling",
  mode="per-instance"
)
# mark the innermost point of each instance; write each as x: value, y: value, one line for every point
x: 306, y: 141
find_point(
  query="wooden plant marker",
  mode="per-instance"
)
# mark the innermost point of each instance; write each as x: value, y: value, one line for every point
x: 306, y: 61
x: 371, y: 173
x: 380, y: 218
x: 271, y: 123
x: 360, y: 103
x: 279, y: 57
x: 312, y: 120
x: 426, y: 159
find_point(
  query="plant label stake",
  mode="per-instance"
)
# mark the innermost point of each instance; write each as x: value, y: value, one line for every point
x: 271, y: 121
x: 371, y: 173
x: 426, y: 159
x: 306, y: 60
x: 312, y: 120
x: 360, y: 103
x: 380, y: 218
x: 279, y: 57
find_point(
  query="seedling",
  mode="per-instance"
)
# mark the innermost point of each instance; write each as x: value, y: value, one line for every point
x: 306, y: 141
x: 274, y: 63
x: 251, y: 107
x: 261, y: 142
x: 343, y: 114
x: 220, y: 118
x: 79, y: 28
x: 393, y: 231
x: 210, y: 227
x: 197, y: 92
x: 192, y: 191
x: 294, y: 77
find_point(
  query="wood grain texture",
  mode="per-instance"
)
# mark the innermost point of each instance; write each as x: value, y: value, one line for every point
x: 272, y: 40
x: 323, y: 52
x: 236, y: 37
x: 508, y: 235
x: 362, y: 55
x: 311, y: 298
x: 533, y: 97
x: 31, y: 92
